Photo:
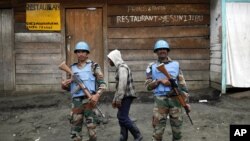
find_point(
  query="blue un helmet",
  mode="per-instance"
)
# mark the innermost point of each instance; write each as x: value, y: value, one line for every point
x: 82, y: 46
x: 161, y: 44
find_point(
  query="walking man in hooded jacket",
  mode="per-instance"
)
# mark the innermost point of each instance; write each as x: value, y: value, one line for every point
x: 124, y: 95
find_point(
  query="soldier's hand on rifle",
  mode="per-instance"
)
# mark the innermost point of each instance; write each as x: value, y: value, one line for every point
x: 94, y: 99
x: 189, y: 108
x: 65, y: 84
x: 164, y: 82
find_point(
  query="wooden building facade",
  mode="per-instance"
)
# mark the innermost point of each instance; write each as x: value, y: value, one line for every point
x: 29, y: 58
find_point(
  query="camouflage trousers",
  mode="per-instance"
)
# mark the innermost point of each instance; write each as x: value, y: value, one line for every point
x: 164, y: 106
x: 82, y: 109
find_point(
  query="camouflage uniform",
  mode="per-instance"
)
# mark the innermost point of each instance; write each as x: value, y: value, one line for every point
x: 81, y: 108
x: 166, y: 105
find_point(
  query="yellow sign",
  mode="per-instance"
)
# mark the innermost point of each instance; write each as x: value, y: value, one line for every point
x: 43, y: 16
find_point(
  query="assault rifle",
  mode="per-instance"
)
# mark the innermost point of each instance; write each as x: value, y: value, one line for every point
x: 76, y: 79
x: 162, y: 69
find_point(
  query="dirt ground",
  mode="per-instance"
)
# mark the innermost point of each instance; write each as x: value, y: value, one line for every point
x: 43, y: 117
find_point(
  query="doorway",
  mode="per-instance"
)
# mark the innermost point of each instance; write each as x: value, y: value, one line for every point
x: 85, y: 25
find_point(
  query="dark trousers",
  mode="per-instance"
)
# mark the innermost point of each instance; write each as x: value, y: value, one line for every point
x: 123, y: 113
x: 126, y: 123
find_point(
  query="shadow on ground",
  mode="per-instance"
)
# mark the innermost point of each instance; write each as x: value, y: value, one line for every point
x: 43, y: 117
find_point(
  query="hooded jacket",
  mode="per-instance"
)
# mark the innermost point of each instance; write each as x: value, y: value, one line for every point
x: 124, y: 79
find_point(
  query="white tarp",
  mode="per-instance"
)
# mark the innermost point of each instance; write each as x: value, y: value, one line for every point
x: 238, y: 44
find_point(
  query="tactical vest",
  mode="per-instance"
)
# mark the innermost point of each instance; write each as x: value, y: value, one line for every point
x: 87, y: 77
x: 172, y: 68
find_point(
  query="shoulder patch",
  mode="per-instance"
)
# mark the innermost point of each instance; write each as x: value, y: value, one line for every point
x: 94, y: 65
x: 148, y: 70
x: 149, y: 67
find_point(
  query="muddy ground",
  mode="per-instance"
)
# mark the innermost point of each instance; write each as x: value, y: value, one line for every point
x: 43, y: 117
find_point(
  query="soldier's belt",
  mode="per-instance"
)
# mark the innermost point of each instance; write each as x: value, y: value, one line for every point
x: 166, y: 94
x: 80, y: 98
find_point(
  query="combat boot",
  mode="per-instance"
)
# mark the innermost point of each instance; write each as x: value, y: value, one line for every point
x: 123, y: 134
x: 135, y: 132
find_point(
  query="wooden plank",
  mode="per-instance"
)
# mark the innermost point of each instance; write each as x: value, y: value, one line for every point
x: 216, y: 24
x: 20, y: 17
x: 8, y: 57
x: 215, y: 61
x: 5, y: 4
x: 215, y: 47
x: 216, y: 85
x: 215, y: 77
x: 139, y: 76
x: 21, y: 28
x: 38, y: 48
x: 187, y: 42
x: 158, y: 9
x: 176, y: 54
x: 155, y: 2
x: 216, y: 54
x: 195, y: 85
x: 1, y: 54
x: 38, y: 88
x: 185, y: 65
x: 105, y: 42
x: 215, y: 68
x: 37, y: 37
x: 196, y: 75
x: 37, y: 69
x: 194, y: 64
x: 157, y: 20
x: 158, y: 32
x: 24, y: 79
x: 42, y: 59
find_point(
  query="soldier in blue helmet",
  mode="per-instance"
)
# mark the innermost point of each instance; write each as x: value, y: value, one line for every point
x: 165, y: 102
x: 90, y: 73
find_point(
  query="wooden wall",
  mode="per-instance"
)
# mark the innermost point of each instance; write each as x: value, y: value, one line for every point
x: 1, y: 55
x: 38, y: 53
x: 215, y: 44
x: 6, y: 50
x: 5, y: 4
x: 37, y: 58
x: 134, y: 26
